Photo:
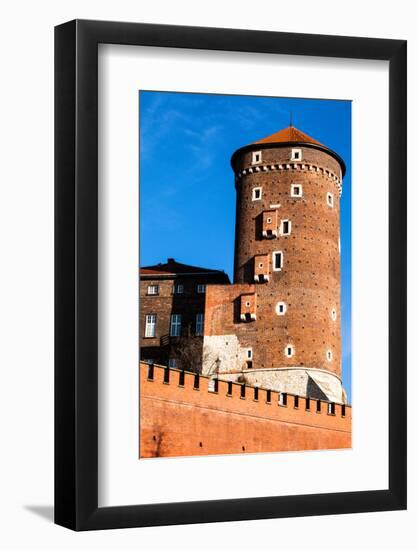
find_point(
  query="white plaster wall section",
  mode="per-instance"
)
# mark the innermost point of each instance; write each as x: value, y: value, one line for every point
x: 223, y: 353
x: 294, y: 380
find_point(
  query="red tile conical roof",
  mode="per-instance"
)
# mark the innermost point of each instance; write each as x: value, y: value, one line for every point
x: 288, y: 135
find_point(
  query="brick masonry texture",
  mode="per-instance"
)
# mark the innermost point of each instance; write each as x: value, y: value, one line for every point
x: 180, y: 420
x: 189, y: 303
x: 309, y: 281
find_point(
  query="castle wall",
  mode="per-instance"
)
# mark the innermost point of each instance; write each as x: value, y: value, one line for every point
x: 181, y: 420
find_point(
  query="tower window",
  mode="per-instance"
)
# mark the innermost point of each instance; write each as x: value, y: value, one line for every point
x: 249, y: 353
x: 199, y: 324
x: 175, y: 328
x: 330, y: 199
x: 289, y: 350
x: 296, y: 190
x: 296, y: 154
x: 201, y: 289
x: 331, y: 409
x: 277, y: 260
x: 285, y: 227
x: 281, y: 308
x: 256, y: 157
x: 153, y: 290
x: 329, y: 355
x: 256, y: 193
x: 150, y: 325
x: 333, y: 314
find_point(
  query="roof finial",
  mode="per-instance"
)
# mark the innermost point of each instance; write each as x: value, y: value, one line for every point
x: 290, y: 119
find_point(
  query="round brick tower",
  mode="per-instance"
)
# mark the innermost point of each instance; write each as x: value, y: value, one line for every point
x: 287, y: 245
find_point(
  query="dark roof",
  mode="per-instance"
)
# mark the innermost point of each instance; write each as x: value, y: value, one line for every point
x: 172, y: 267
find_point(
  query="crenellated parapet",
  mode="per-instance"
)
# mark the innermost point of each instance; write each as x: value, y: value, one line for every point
x: 183, y: 413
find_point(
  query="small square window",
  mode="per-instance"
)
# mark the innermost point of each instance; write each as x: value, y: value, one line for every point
x: 296, y: 190
x: 153, y: 290
x: 330, y: 199
x: 256, y: 157
x: 296, y: 154
x: 256, y: 193
x: 201, y: 289
x: 178, y: 289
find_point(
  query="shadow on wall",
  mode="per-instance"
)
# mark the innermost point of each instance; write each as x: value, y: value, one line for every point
x: 314, y: 391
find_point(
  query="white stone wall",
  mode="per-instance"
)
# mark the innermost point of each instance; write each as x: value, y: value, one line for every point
x: 299, y: 381
x: 231, y: 360
x: 225, y: 348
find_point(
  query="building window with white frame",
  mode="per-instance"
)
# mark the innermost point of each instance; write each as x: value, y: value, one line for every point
x: 281, y: 308
x: 296, y: 190
x: 153, y: 290
x: 201, y: 289
x: 175, y: 328
x: 277, y: 260
x: 289, y: 350
x: 285, y: 227
x: 296, y: 154
x: 256, y: 157
x: 178, y: 289
x: 330, y: 199
x: 199, y: 324
x: 257, y: 193
x: 150, y: 325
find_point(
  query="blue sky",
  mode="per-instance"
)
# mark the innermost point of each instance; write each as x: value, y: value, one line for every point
x: 187, y: 195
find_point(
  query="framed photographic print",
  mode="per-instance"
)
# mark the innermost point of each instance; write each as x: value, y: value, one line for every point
x: 230, y: 275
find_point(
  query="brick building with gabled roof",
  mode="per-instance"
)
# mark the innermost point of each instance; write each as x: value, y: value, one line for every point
x: 172, y: 307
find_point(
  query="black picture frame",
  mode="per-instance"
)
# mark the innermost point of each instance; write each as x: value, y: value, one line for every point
x: 76, y: 272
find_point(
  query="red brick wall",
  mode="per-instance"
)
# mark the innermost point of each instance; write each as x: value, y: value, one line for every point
x: 183, y: 421
x: 309, y: 282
